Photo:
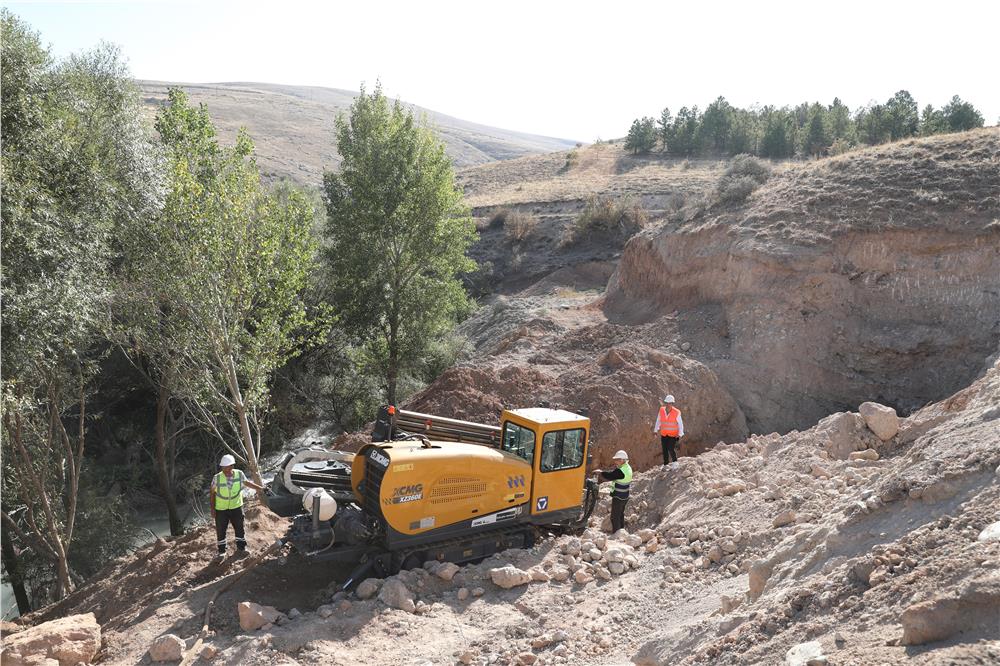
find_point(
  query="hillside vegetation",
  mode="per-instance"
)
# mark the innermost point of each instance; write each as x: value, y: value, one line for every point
x: 295, y: 124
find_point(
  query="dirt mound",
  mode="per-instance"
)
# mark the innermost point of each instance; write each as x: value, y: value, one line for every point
x: 868, y: 276
x: 618, y: 388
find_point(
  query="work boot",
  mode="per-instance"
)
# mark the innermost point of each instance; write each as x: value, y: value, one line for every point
x: 241, y: 553
x: 218, y: 559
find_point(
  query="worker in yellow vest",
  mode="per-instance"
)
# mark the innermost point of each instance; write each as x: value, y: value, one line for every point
x: 621, y: 475
x: 670, y: 427
x: 227, y: 504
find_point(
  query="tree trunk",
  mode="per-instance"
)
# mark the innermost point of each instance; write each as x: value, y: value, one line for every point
x: 162, y: 404
x: 392, y: 372
x: 65, y: 583
x: 13, y: 567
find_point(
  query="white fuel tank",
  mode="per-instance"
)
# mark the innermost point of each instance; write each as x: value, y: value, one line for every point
x: 327, y: 505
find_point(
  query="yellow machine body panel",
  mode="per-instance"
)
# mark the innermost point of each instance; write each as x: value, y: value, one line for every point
x: 441, y: 485
x: 554, y: 442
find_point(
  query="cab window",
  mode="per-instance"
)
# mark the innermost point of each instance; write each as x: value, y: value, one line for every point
x: 563, y: 449
x: 519, y: 440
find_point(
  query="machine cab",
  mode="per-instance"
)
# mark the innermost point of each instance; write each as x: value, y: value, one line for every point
x: 554, y: 442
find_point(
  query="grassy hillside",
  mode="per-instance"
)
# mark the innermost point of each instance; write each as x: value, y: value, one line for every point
x: 293, y: 126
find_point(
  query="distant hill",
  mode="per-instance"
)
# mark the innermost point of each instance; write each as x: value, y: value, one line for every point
x: 292, y: 126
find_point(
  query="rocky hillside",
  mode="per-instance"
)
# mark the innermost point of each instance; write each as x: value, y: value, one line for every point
x: 834, y: 343
x: 869, y: 275
x: 865, y: 539
x: 293, y: 126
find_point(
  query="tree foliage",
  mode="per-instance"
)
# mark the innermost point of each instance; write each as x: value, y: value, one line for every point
x: 76, y: 169
x: 641, y: 136
x: 805, y: 130
x: 396, y: 235
x: 215, y: 288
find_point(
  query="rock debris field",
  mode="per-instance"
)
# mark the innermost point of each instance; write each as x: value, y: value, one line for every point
x: 867, y: 539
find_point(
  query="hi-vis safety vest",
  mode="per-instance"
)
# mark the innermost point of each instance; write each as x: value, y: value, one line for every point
x: 668, y: 422
x: 229, y: 490
x: 622, y: 485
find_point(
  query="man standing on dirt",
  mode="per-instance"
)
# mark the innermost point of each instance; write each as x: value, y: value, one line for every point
x: 227, y: 504
x: 670, y: 427
x: 622, y: 477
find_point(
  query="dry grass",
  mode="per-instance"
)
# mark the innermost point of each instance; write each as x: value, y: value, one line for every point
x: 518, y: 225
x: 293, y: 127
x: 936, y: 183
x: 604, y: 217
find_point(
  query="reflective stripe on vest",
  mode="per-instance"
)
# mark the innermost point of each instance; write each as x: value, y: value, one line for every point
x: 668, y: 422
x: 622, y: 485
x: 229, y: 492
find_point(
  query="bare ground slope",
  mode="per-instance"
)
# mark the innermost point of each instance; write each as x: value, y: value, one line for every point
x: 293, y: 126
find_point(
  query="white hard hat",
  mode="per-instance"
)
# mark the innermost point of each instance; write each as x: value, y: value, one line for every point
x: 227, y: 460
x: 668, y: 399
x: 621, y: 455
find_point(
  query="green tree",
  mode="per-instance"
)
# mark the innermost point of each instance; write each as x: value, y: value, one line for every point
x: 901, y: 116
x: 686, y: 132
x: 777, y: 140
x: 397, y: 235
x: 815, y: 139
x: 743, y: 133
x: 76, y: 168
x: 932, y: 121
x: 840, y: 126
x: 872, y: 126
x: 715, y: 126
x: 217, y: 283
x: 665, y: 129
x: 961, y: 115
x: 641, y: 136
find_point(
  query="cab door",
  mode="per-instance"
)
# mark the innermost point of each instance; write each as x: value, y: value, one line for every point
x: 559, y: 470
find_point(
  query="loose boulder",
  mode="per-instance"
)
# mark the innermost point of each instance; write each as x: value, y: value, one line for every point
x: 254, y: 616
x: 368, y: 588
x: 69, y: 640
x: 395, y: 594
x: 509, y: 576
x: 805, y: 654
x: 880, y: 419
x: 168, y: 647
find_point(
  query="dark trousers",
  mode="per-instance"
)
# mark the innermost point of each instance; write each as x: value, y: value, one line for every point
x: 223, y: 518
x: 668, y: 444
x: 617, y: 513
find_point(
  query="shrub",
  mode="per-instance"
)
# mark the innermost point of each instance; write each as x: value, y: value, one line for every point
x: 572, y: 158
x: 743, y: 175
x: 517, y: 225
x: 840, y: 146
x: 607, y: 217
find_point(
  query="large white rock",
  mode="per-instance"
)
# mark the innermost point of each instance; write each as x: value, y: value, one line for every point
x: 368, y: 588
x: 840, y: 434
x: 447, y: 571
x: 880, y: 419
x: 395, y: 594
x: 990, y: 533
x: 68, y: 640
x: 804, y: 653
x: 509, y: 576
x: 168, y: 647
x: 254, y: 616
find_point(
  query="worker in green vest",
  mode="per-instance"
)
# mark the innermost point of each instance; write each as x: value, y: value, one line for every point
x: 621, y: 475
x: 227, y: 504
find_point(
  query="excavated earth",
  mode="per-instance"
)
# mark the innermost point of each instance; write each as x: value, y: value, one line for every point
x: 810, y: 528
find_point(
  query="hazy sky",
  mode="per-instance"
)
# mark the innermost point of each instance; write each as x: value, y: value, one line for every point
x: 576, y: 70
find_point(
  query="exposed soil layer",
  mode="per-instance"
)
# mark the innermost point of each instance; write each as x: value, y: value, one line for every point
x: 873, y: 275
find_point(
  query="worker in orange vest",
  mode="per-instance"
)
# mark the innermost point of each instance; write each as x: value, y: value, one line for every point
x: 670, y: 427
